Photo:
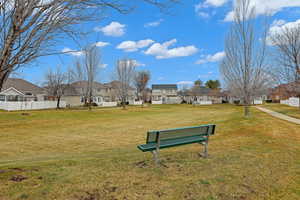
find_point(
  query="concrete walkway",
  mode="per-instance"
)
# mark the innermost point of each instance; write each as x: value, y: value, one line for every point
x: 279, y: 115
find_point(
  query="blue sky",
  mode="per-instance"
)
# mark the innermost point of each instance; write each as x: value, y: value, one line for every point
x: 180, y: 46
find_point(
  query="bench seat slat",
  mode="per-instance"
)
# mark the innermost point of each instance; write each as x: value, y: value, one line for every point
x: 172, y: 142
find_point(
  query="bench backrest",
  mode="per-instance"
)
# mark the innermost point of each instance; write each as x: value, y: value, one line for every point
x: 203, y: 130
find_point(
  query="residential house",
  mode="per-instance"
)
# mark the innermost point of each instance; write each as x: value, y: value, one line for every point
x: 16, y: 89
x: 111, y: 92
x: 199, y: 94
x: 165, y: 94
x: 75, y: 94
x: 283, y: 92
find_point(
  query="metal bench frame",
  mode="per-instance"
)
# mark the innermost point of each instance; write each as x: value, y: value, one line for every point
x: 204, y: 154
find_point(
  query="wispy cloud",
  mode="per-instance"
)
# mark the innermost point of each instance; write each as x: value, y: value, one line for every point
x: 263, y: 7
x: 154, y: 23
x: 103, y: 66
x: 101, y: 44
x: 114, y: 29
x: 131, y: 46
x: 72, y: 52
x: 185, y: 83
x: 201, y: 9
x: 217, y: 57
x: 162, y: 51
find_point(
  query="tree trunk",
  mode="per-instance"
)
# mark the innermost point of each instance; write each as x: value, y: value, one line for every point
x: 58, y: 103
x: 90, y: 103
x: 246, y: 110
x: 124, y: 103
x: 3, y: 78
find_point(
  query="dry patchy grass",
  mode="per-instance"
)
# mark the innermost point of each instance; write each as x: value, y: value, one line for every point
x: 82, y: 155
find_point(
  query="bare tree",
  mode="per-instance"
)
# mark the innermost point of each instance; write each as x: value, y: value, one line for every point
x: 287, y: 44
x: 87, y: 70
x: 56, y: 83
x: 125, y: 71
x: 30, y: 29
x: 141, y: 80
x: 244, y: 66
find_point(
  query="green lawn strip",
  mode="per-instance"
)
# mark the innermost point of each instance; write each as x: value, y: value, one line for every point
x: 284, y: 109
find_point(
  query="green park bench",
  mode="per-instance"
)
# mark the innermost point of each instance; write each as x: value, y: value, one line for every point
x: 160, y: 139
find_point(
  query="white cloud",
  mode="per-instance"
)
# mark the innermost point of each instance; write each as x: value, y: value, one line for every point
x: 185, y: 83
x: 206, y: 4
x: 278, y: 26
x: 229, y: 17
x: 103, y: 66
x: 203, y: 14
x: 101, y: 44
x: 211, y: 58
x: 269, y: 7
x: 162, y: 51
x: 209, y: 3
x: 138, y: 64
x: 206, y: 76
x: 278, y: 22
x: 131, y: 46
x: 72, y: 52
x: 114, y: 29
x: 154, y: 24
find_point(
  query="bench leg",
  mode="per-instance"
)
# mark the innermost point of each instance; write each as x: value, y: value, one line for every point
x: 206, y: 149
x: 205, y: 152
x: 156, y: 157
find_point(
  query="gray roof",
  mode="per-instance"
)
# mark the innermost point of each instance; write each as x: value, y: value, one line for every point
x: 164, y: 87
x: 83, y: 84
x: 22, y: 86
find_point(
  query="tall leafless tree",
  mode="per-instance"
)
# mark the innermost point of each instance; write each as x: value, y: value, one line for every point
x: 30, y: 29
x: 141, y: 80
x: 87, y: 70
x: 125, y: 71
x: 56, y: 83
x: 287, y: 44
x: 244, y: 66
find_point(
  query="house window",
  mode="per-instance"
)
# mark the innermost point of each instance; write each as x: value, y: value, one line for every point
x: 12, y: 98
x: 2, y: 98
x: 28, y: 93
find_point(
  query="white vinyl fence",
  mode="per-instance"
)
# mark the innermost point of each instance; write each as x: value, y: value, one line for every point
x: 136, y: 103
x: 293, y: 101
x: 156, y: 102
x: 257, y: 102
x: 202, y: 102
x: 108, y: 104
x: 29, y: 105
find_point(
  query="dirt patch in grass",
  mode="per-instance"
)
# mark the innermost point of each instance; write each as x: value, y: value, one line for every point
x: 107, y: 192
x: 18, y: 178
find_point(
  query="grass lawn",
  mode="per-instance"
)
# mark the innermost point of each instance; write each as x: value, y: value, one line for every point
x: 284, y: 109
x: 82, y: 155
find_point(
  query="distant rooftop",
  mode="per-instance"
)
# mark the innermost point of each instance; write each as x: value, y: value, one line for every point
x: 164, y: 87
x: 22, y: 86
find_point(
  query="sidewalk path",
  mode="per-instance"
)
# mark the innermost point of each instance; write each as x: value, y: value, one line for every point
x: 279, y: 115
